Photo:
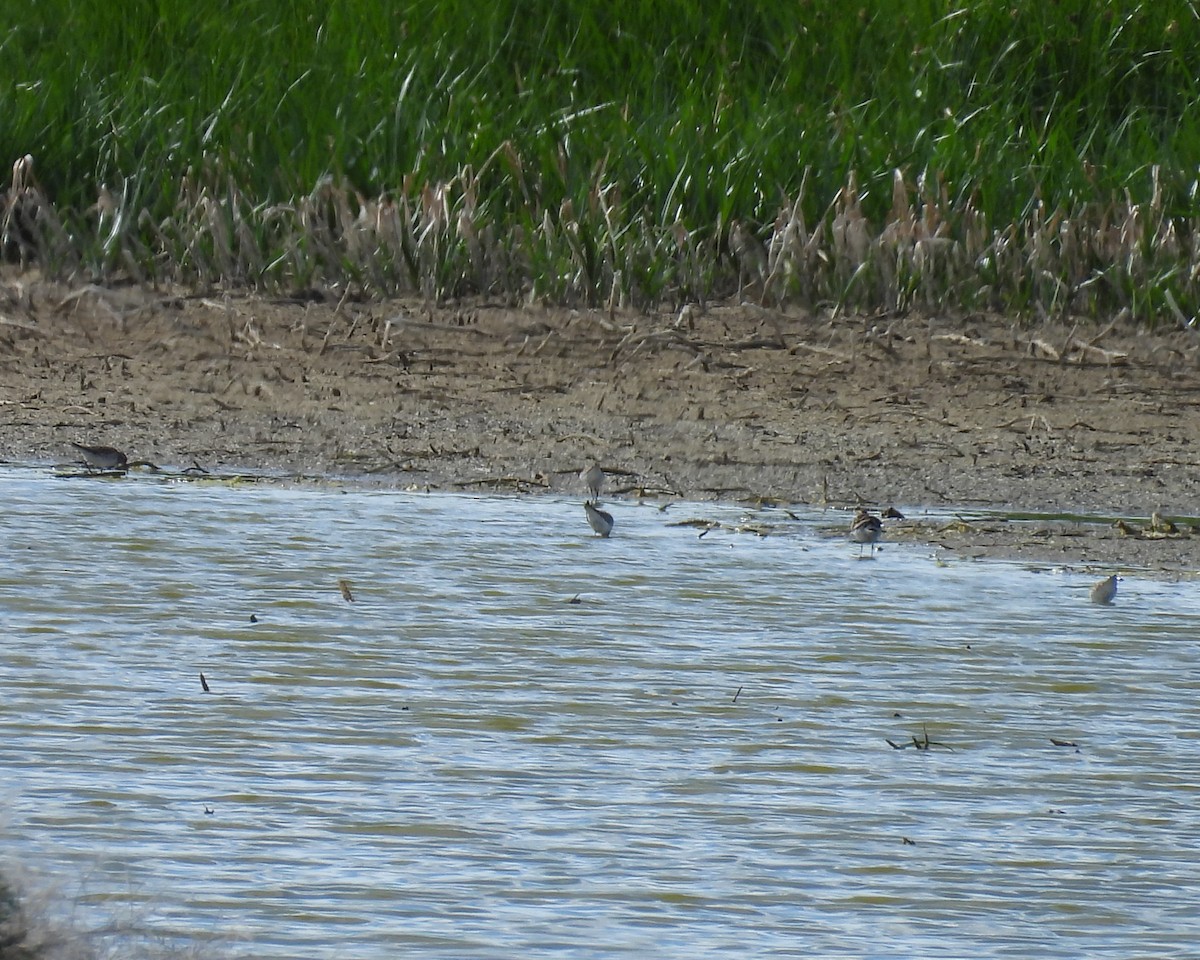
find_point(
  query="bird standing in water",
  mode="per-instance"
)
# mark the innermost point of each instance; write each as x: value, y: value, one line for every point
x: 1105, y: 591
x: 101, y: 458
x: 593, y: 478
x: 597, y: 519
x: 866, y: 529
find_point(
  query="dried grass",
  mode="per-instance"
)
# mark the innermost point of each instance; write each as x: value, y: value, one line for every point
x: 440, y: 241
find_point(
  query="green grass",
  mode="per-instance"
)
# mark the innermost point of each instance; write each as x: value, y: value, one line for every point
x: 603, y: 151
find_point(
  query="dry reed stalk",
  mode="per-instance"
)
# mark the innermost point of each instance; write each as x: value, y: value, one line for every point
x: 434, y: 238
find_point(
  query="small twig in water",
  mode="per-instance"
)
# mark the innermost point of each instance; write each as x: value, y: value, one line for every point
x: 920, y: 743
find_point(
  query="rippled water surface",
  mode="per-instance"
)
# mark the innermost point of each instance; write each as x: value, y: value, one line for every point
x: 690, y: 761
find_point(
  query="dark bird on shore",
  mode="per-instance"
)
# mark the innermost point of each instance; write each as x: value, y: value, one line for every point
x: 101, y: 458
x: 866, y: 529
x: 599, y: 521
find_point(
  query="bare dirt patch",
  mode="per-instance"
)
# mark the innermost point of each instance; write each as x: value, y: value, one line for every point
x: 733, y: 403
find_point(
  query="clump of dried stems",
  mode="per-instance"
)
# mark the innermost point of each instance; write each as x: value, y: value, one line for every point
x: 439, y: 241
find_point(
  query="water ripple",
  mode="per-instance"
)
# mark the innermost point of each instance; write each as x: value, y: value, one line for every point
x: 692, y: 759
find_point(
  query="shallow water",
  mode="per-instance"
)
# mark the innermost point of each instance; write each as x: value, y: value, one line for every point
x: 691, y: 760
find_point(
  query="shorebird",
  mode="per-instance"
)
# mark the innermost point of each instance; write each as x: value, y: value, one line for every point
x: 101, y: 458
x: 1105, y: 591
x: 593, y: 478
x: 865, y: 529
x: 597, y: 519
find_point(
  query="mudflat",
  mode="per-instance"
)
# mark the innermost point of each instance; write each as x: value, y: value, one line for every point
x: 734, y: 402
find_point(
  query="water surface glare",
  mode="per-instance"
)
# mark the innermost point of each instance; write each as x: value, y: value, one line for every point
x: 691, y: 761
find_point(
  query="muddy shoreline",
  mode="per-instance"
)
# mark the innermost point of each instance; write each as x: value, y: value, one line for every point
x: 735, y: 403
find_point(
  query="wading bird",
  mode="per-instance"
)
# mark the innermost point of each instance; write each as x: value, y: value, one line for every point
x: 866, y: 529
x: 1105, y: 591
x: 101, y: 458
x: 593, y: 479
x: 597, y: 519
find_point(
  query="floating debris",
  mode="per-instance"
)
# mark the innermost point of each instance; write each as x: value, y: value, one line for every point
x: 758, y: 529
x: 1159, y: 524
x: 921, y: 743
x: 696, y: 522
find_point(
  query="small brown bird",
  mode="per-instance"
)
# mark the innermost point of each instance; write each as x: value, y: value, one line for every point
x: 597, y: 519
x: 1105, y: 591
x: 101, y: 458
x: 866, y: 529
